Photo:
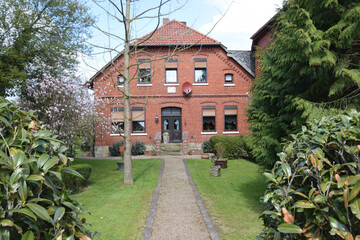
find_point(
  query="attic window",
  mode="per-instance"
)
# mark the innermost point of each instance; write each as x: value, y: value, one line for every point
x: 120, y: 80
x: 229, y: 78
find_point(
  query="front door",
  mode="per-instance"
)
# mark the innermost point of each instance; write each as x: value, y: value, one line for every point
x: 171, y: 123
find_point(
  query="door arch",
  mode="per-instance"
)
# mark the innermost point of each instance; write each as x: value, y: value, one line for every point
x: 171, y: 123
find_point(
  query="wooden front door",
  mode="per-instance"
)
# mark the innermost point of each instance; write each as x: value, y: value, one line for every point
x: 171, y: 123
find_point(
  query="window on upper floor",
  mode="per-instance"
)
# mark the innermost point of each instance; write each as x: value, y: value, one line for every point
x: 117, y: 120
x: 144, y: 71
x: 200, y: 70
x: 230, y: 116
x: 120, y: 80
x: 171, y: 71
x: 229, y: 78
x: 138, y: 119
x: 209, y: 118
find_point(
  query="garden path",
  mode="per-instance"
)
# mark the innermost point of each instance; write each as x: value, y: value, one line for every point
x: 177, y: 213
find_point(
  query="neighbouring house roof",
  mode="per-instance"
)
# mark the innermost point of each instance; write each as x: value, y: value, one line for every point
x: 266, y: 27
x: 175, y: 33
x: 245, y: 59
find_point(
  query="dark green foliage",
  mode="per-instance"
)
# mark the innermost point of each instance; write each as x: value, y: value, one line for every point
x: 114, y: 150
x: 138, y: 148
x: 311, y: 68
x: 73, y: 182
x: 235, y: 146
x: 313, y: 190
x: 31, y: 206
x: 206, y: 146
x: 40, y: 38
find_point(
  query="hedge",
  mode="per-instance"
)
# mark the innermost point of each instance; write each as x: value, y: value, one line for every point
x: 235, y: 146
x: 75, y: 183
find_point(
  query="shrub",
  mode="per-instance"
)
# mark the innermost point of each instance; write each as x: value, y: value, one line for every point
x: 73, y: 182
x: 234, y: 146
x: 313, y: 189
x: 32, y: 207
x: 206, y: 146
x: 114, y: 150
x: 220, y: 150
x: 138, y: 148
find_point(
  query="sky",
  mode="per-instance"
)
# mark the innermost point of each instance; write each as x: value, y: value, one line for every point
x: 230, y: 22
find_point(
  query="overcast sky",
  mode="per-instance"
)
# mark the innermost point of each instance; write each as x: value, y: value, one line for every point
x: 242, y: 19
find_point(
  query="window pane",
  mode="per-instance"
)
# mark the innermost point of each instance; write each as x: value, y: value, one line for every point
x: 208, y: 123
x: 231, y: 122
x: 144, y: 75
x: 228, y: 77
x: 200, y: 75
x: 171, y: 75
x: 138, y: 126
x: 117, y: 127
x: 176, y: 124
x: 120, y: 80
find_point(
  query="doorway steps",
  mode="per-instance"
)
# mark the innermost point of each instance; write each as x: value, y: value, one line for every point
x: 174, y: 149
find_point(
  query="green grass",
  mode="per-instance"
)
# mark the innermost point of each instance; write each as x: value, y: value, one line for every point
x: 119, y: 211
x: 231, y: 200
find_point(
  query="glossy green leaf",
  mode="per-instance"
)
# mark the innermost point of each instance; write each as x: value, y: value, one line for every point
x: 44, y: 200
x: 19, y: 158
x: 70, y: 205
x: 15, y: 176
x: 355, y: 208
x: 29, y: 235
x: 24, y: 211
x: 320, y: 199
x: 6, y: 223
x: 286, y: 169
x: 270, y: 176
x: 50, y: 163
x: 354, y: 191
x: 42, y: 160
x: 59, y: 214
x: 38, y: 177
x: 304, y: 204
x: 39, y: 211
x: 63, y: 159
x: 289, y: 228
x: 73, y: 172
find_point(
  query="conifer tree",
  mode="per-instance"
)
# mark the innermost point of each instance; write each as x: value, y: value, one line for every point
x: 311, y: 69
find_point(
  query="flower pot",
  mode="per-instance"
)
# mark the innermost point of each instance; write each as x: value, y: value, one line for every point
x: 204, y: 156
x: 120, y: 165
x: 222, y: 163
x: 166, y: 139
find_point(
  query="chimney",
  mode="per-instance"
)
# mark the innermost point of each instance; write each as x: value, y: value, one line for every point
x: 184, y: 23
x: 165, y: 21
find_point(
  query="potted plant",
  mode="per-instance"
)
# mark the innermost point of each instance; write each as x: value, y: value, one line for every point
x: 153, y: 152
x: 120, y: 163
x: 166, y: 137
x: 206, y: 147
x: 219, y: 160
x: 190, y: 152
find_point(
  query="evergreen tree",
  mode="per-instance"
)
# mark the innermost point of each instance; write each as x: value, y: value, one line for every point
x: 310, y: 69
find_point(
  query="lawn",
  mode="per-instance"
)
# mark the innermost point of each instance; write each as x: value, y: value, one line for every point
x: 231, y: 200
x: 119, y: 211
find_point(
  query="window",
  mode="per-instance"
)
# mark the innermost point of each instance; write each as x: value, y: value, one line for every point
x: 138, y: 119
x: 144, y: 72
x: 228, y: 78
x: 230, y: 113
x: 120, y: 80
x: 209, y: 123
x: 200, y: 70
x: 117, y: 120
x: 171, y: 71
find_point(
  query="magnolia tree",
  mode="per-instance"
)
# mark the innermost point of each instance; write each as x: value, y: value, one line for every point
x: 64, y: 106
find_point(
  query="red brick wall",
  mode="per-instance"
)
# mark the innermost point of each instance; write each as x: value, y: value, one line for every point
x: 262, y: 41
x: 156, y: 96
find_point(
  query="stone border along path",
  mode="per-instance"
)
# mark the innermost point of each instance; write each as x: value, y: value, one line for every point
x: 177, y: 211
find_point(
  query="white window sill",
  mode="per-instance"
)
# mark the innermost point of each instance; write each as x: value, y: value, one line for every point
x: 209, y: 133
x: 116, y: 134
x: 144, y: 84
x: 200, y: 84
x: 138, y: 134
x: 231, y: 132
x: 229, y: 85
x: 120, y: 86
x: 171, y: 84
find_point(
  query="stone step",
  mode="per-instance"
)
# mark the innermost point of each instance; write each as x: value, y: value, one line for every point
x: 171, y: 153
x: 171, y: 147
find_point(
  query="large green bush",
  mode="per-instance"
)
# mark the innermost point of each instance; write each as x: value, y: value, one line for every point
x: 235, y: 146
x: 31, y: 206
x: 114, y: 149
x: 138, y: 148
x: 73, y: 182
x: 314, y: 189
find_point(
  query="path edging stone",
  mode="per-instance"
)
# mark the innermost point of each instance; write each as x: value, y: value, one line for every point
x: 150, y: 218
x: 209, y: 224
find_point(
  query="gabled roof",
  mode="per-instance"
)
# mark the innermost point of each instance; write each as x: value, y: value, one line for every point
x: 245, y: 59
x: 176, y: 33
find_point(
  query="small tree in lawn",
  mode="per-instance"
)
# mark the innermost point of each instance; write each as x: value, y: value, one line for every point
x: 64, y: 106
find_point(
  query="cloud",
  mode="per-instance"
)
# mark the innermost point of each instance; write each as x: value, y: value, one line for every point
x: 242, y: 20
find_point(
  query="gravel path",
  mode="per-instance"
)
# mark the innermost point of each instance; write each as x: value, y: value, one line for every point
x: 177, y: 214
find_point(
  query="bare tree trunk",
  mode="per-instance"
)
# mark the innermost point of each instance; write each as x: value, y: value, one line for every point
x: 128, y: 176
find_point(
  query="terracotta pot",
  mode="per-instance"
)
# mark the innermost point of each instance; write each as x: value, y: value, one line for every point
x: 204, y: 156
x: 221, y: 163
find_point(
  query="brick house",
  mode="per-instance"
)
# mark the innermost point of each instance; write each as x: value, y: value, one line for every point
x: 185, y: 83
